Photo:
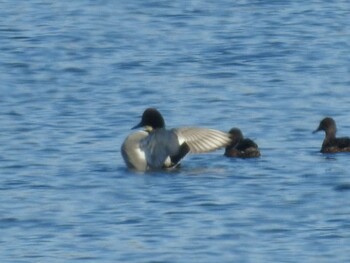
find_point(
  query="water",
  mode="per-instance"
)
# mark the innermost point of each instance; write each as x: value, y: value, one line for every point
x: 76, y: 76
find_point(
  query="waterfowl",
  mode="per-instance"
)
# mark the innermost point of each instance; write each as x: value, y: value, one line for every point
x: 156, y: 147
x: 241, y: 147
x: 331, y: 144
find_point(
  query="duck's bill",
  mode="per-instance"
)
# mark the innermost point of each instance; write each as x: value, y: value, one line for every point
x: 317, y: 130
x: 137, y: 126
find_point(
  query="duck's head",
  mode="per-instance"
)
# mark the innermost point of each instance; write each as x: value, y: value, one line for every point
x: 236, y: 135
x: 327, y: 125
x: 151, y: 120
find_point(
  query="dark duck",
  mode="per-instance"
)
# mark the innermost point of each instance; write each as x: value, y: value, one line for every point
x: 332, y: 144
x: 241, y: 147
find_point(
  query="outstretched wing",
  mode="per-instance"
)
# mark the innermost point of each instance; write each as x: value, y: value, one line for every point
x: 201, y: 140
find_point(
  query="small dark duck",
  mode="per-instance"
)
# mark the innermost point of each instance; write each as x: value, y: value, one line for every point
x: 241, y: 147
x: 331, y: 144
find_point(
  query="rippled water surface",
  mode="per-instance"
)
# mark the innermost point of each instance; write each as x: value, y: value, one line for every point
x: 76, y: 76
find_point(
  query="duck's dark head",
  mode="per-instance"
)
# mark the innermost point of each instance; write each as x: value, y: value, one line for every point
x: 236, y: 135
x: 327, y: 125
x: 151, y: 120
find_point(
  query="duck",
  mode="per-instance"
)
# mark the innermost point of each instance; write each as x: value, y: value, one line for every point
x: 156, y: 147
x: 241, y: 147
x: 332, y: 144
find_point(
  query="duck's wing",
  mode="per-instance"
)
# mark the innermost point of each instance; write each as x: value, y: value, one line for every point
x: 201, y: 140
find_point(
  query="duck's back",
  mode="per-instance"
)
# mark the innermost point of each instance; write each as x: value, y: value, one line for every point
x: 159, y: 146
x: 245, y: 144
x: 344, y: 143
x: 245, y: 148
x: 336, y: 145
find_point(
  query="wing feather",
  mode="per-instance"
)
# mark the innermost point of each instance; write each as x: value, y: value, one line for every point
x: 201, y: 140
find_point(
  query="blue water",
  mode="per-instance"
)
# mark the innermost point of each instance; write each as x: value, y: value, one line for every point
x: 77, y: 75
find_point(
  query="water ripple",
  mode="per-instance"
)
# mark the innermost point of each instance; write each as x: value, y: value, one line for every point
x: 76, y: 77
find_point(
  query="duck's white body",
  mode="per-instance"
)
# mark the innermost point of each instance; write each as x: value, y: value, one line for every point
x: 133, y: 155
